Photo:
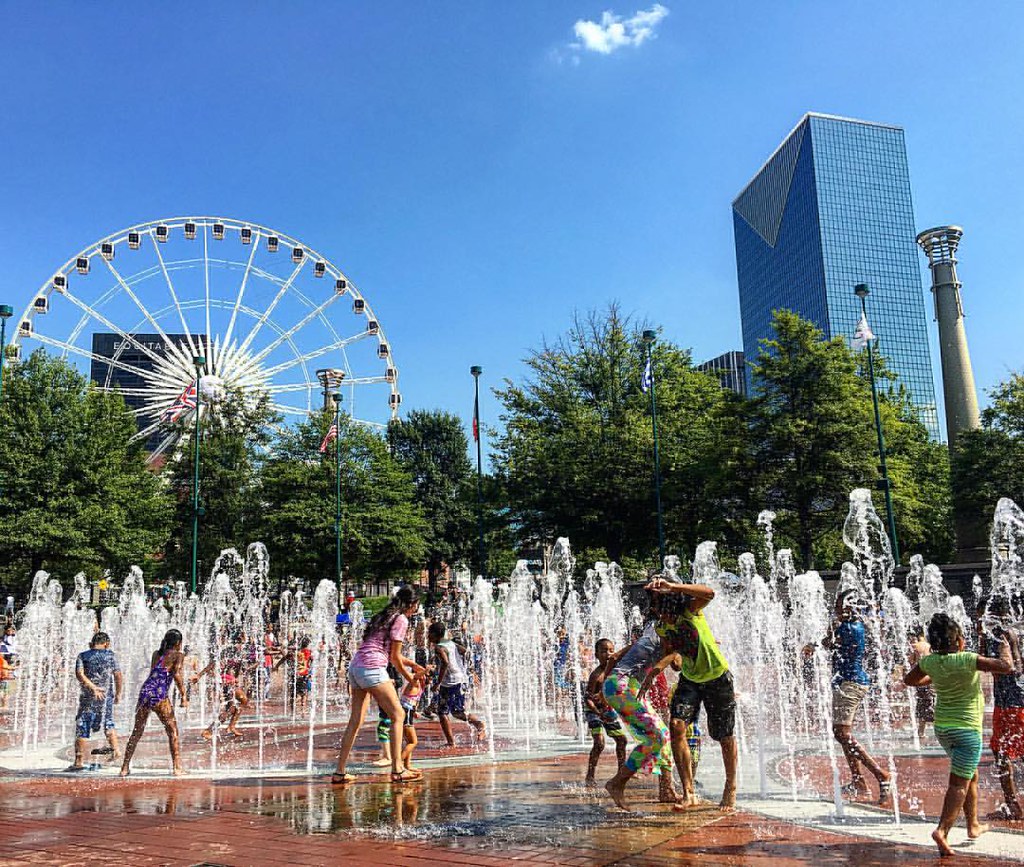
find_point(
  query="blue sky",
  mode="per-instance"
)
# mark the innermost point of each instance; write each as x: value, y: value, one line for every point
x: 481, y: 171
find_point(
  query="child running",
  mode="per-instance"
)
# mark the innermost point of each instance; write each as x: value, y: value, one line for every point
x: 959, y: 710
x: 100, y: 677
x: 452, y: 679
x: 153, y: 697
x: 600, y: 717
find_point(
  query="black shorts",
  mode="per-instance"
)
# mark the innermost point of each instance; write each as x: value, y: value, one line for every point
x: 718, y: 698
x: 453, y: 700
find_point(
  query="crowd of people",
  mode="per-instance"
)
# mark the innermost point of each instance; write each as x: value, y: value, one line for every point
x: 626, y: 695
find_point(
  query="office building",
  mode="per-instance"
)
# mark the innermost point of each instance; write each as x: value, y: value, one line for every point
x: 116, y: 348
x: 730, y: 369
x: 829, y: 209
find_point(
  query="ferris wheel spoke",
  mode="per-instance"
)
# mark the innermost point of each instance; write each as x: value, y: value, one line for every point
x: 103, y: 359
x: 281, y: 338
x: 162, y: 365
x: 289, y: 410
x: 174, y: 295
x: 241, y: 292
x: 316, y: 353
x: 171, y: 346
x: 162, y: 447
x: 265, y: 315
x: 210, y: 345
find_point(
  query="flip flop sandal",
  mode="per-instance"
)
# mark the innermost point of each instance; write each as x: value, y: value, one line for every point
x: 407, y: 776
x: 342, y: 779
x: 103, y: 751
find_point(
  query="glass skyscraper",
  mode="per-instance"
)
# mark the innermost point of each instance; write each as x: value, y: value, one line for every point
x: 832, y: 208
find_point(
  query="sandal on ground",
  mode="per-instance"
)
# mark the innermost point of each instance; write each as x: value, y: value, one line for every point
x: 407, y: 776
x: 342, y: 779
x: 850, y: 790
x: 103, y: 751
x: 74, y: 769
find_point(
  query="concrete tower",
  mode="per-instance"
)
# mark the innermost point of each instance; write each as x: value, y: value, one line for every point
x: 940, y: 245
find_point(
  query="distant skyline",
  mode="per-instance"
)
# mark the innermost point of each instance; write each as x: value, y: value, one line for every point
x: 482, y: 172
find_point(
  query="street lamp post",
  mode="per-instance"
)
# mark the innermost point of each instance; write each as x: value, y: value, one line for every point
x: 476, y: 370
x: 199, y: 361
x: 649, y: 337
x: 6, y: 312
x: 861, y: 291
x: 336, y: 397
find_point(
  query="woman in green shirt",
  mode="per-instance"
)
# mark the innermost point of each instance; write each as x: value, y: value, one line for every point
x: 959, y: 710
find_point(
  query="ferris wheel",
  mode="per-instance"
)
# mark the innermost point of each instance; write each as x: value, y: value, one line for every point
x: 261, y: 313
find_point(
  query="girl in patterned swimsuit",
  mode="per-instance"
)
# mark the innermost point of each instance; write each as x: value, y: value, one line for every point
x: 153, y: 696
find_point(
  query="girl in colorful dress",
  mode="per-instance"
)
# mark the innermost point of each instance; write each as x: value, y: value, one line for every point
x: 153, y: 697
x: 959, y: 710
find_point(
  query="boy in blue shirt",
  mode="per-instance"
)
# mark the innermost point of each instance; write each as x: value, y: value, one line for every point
x: 850, y: 684
x: 100, y: 677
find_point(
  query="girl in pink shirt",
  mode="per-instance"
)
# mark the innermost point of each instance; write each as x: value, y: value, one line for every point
x: 368, y: 676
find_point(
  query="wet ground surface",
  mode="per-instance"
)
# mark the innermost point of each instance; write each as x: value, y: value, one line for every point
x: 522, y: 812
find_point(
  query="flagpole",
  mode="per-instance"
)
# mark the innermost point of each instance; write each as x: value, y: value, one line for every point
x: 337, y: 487
x: 475, y: 370
x: 198, y: 361
x: 649, y: 337
x: 861, y: 291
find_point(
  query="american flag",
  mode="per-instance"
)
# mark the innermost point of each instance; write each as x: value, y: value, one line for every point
x: 186, y: 401
x: 332, y: 433
x: 647, y: 380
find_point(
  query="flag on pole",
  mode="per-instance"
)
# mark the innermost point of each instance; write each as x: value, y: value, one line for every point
x: 476, y: 419
x: 863, y: 333
x: 332, y: 433
x: 647, y: 380
x: 186, y: 401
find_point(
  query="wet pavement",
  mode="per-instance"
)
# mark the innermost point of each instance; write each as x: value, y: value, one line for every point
x: 524, y: 812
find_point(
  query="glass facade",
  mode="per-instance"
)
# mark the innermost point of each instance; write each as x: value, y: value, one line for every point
x: 832, y: 208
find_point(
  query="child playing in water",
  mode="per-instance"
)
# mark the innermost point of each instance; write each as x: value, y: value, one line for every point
x: 409, y: 699
x: 153, y: 697
x: 959, y: 710
x: 100, y: 677
x: 600, y: 717
x: 452, y: 679
x: 303, y: 669
x: 1007, y: 742
x: 924, y: 700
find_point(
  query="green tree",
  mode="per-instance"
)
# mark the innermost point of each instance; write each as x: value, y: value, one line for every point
x: 575, y: 457
x: 383, y: 529
x: 989, y: 463
x: 75, y: 492
x: 813, y: 438
x: 235, y: 435
x: 431, y: 447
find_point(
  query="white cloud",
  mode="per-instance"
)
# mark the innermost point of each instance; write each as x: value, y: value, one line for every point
x: 613, y: 31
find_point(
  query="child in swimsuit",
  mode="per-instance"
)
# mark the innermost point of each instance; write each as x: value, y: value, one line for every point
x: 409, y: 699
x: 959, y: 711
x: 600, y: 717
x: 153, y: 697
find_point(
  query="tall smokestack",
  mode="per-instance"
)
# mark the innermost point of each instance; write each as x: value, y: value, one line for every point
x: 940, y: 245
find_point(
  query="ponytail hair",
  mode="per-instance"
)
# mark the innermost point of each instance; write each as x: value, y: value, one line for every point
x: 172, y: 641
x: 943, y: 633
x: 406, y: 597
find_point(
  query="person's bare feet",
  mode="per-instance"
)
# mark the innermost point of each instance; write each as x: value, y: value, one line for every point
x: 207, y: 735
x: 178, y: 772
x: 381, y: 762
x: 728, y: 802
x: 114, y: 758
x: 617, y: 791
x: 687, y: 802
x: 590, y: 783
x: 975, y: 831
x: 124, y: 772
x: 941, y: 842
